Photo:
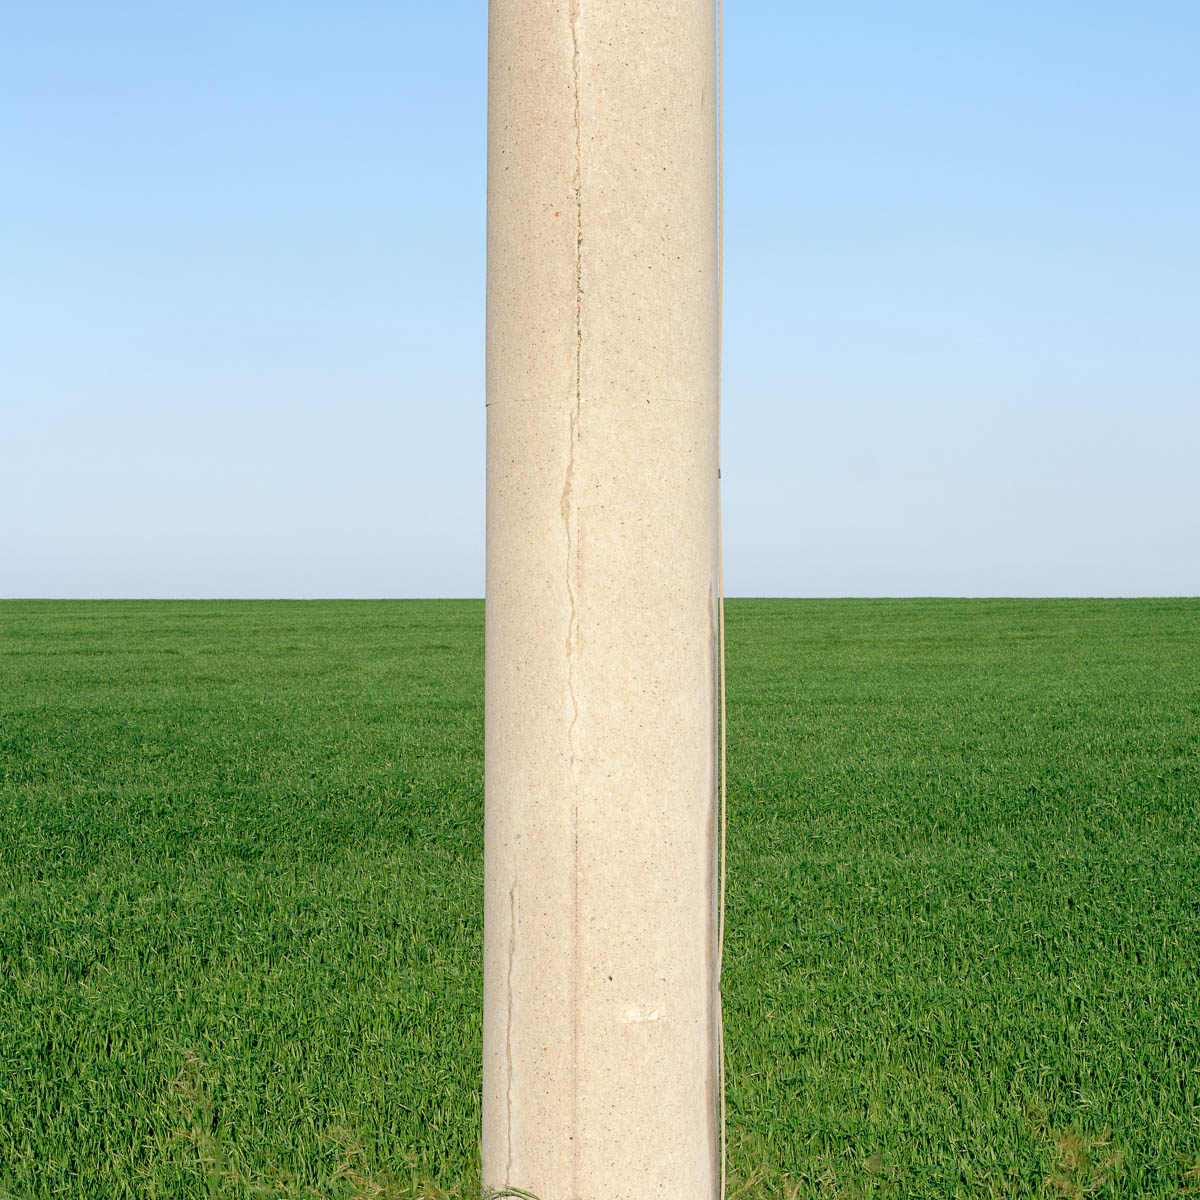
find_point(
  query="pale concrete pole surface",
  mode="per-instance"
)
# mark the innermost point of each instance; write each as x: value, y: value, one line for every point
x: 600, y: 1039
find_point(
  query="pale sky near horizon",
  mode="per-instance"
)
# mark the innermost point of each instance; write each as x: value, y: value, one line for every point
x: 241, y: 326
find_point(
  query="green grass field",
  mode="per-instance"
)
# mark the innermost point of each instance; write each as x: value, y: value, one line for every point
x: 241, y: 873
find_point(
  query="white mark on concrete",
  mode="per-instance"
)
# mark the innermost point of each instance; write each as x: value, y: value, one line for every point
x: 642, y: 1013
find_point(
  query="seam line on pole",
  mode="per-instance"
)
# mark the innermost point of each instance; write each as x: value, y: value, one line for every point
x: 570, y: 517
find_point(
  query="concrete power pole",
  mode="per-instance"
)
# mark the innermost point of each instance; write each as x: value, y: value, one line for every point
x: 601, y: 1075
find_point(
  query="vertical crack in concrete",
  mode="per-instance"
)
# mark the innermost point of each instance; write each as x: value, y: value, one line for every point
x: 512, y: 953
x: 568, y: 498
x: 570, y: 519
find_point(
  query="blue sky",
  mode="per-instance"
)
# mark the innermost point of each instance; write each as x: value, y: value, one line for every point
x: 241, y: 326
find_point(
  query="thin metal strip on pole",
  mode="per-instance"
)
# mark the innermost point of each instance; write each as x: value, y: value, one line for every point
x: 721, y: 567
